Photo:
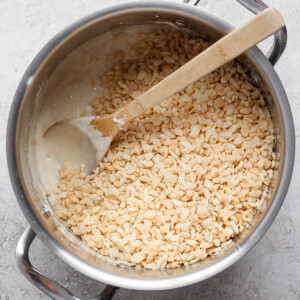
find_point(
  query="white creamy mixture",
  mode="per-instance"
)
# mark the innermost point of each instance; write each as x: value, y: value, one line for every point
x: 120, y: 122
x: 67, y: 94
x: 100, y: 143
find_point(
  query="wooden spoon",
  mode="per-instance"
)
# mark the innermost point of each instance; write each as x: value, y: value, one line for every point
x: 101, y: 130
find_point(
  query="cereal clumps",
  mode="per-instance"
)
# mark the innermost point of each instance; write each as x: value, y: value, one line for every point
x: 180, y: 182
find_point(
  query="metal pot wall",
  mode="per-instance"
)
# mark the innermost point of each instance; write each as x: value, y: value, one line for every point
x: 43, y: 220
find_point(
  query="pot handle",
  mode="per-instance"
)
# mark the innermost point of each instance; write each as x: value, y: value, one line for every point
x: 47, y: 285
x: 280, y: 37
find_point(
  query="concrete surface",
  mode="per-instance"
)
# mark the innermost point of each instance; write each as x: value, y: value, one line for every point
x: 270, y: 271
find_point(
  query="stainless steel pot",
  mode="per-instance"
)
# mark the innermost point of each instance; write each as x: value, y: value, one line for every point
x: 43, y: 220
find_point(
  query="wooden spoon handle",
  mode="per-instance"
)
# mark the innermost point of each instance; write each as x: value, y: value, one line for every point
x: 229, y: 47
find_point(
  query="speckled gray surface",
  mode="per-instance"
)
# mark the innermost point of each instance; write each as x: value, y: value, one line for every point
x: 270, y: 271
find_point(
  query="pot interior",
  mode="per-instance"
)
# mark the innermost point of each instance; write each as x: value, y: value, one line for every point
x: 60, y: 88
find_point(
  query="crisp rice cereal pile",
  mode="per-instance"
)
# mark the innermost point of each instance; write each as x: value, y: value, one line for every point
x: 181, y: 181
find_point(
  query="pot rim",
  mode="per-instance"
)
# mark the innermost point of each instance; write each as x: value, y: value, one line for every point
x: 172, y: 281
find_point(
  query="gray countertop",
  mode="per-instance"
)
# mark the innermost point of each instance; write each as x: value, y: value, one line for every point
x: 269, y: 271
